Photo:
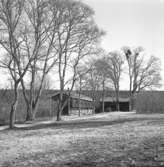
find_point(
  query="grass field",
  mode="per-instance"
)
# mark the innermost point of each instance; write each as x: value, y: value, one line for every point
x: 103, y: 140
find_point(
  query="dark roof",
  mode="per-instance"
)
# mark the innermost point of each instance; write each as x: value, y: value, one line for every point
x: 113, y: 99
x: 73, y: 95
x: 97, y: 95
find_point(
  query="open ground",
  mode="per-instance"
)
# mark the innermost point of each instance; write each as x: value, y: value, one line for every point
x: 110, y: 139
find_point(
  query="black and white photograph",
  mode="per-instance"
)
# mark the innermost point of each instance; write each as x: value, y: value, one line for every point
x: 81, y: 83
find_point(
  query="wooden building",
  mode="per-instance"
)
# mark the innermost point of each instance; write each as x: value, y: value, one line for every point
x: 110, y: 103
x: 75, y: 103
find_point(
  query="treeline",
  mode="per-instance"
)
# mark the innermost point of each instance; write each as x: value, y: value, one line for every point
x: 39, y: 37
x: 150, y: 102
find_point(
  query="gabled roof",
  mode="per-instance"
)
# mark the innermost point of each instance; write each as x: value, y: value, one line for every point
x: 73, y: 95
x: 113, y: 99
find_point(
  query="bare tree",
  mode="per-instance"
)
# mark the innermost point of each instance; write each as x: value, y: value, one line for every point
x: 115, y: 68
x: 80, y: 82
x: 101, y: 67
x: 11, y: 12
x: 105, y: 74
x: 92, y: 81
x: 142, y: 74
x: 77, y: 35
x: 39, y: 38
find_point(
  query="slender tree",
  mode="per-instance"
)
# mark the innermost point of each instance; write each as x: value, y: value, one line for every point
x: 101, y: 67
x: 115, y: 69
x: 92, y: 81
x: 11, y: 12
x: 39, y: 38
x: 77, y: 35
x: 80, y: 82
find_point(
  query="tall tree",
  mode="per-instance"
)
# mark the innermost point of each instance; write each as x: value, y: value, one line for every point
x: 77, y: 35
x: 143, y: 74
x: 11, y: 12
x: 92, y: 81
x: 101, y: 68
x: 109, y: 68
x: 39, y: 38
x: 80, y: 82
x: 115, y: 69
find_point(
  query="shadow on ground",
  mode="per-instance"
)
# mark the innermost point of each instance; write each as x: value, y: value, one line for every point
x: 90, y: 123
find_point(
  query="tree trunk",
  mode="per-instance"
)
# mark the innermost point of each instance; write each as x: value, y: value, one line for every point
x: 93, y: 100
x: 80, y: 98
x: 93, y: 108
x: 34, y: 110
x: 32, y: 107
x: 59, y: 115
x: 32, y: 93
x: 130, y: 103
x: 14, y: 107
x: 69, y: 107
x: 103, y: 105
x: 26, y: 98
x: 130, y: 95
x: 117, y: 105
x: 60, y: 108
x: 36, y: 101
x: 117, y: 101
x: 79, y: 107
x: 29, y: 113
x: 12, y: 114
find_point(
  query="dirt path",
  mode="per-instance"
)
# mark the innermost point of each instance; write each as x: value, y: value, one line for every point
x: 113, y: 115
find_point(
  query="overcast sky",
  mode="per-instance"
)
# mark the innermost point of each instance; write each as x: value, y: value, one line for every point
x: 131, y: 23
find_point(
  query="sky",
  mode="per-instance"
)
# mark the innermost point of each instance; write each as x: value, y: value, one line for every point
x: 131, y: 23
